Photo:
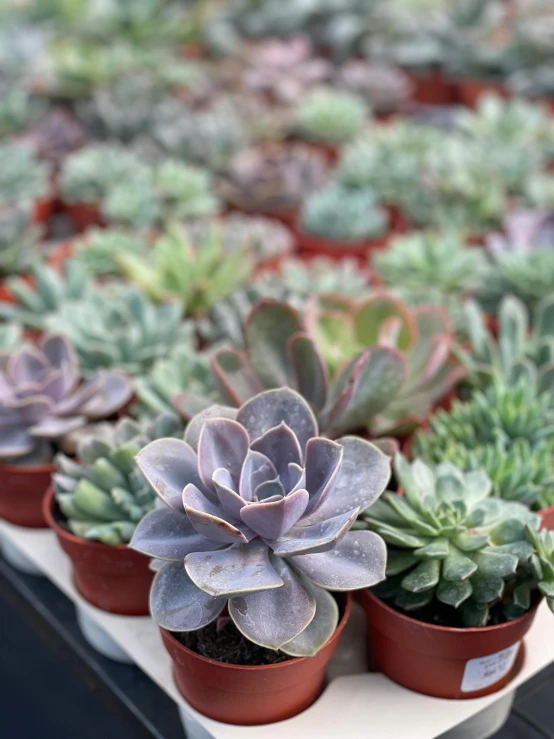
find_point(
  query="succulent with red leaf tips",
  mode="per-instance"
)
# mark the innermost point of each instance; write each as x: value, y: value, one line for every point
x: 377, y: 365
x: 259, y: 507
x: 41, y: 397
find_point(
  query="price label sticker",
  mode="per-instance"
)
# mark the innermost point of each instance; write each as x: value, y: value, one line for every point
x: 481, y: 672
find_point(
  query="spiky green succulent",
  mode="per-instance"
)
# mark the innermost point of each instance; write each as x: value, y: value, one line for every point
x: 330, y: 116
x: 343, y: 214
x: 37, y: 302
x: 508, y: 431
x: 118, y: 326
x: 449, y: 542
x: 98, y: 250
x: 104, y: 495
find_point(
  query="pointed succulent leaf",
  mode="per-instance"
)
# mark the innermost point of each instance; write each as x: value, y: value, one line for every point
x: 281, y: 447
x: 230, y: 501
x: 165, y: 534
x: 315, y: 538
x: 425, y: 576
x: 323, y: 466
x: 223, y: 444
x: 311, y: 372
x: 320, y: 629
x: 169, y: 465
x: 208, y: 519
x: 234, y: 378
x: 196, y: 424
x: 272, y: 520
x: 256, y: 470
x: 454, y: 593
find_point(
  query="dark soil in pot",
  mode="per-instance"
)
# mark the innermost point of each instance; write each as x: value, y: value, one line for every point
x: 115, y: 579
x: 250, y: 695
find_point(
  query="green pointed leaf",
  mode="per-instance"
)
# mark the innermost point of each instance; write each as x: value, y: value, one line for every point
x: 438, y: 549
x: 454, y: 593
x: 413, y: 601
x: 495, y: 564
x: 486, y: 589
x: 458, y: 567
x: 474, y: 614
x: 398, y: 562
x: 424, y: 577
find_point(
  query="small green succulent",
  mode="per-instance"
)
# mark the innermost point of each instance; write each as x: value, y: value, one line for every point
x: 11, y: 336
x: 18, y: 237
x: 508, y: 431
x: 104, y: 495
x: 98, y: 250
x: 23, y: 177
x: 330, y: 116
x: 542, y: 562
x: 343, y: 214
x: 185, y: 191
x: 450, y: 543
x: 18, y: 109
x: 36, y: 303
x: 133, y: 203
x: 118, y: 326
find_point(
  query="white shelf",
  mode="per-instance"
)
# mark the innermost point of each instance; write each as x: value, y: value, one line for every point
x: 368, y: 704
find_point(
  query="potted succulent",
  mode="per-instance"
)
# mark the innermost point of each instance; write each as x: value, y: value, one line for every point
x: 98, y: 250
x: 464, y: 579
x: 94, y: 506
x: 386, y: 88
x: 18, y: 236
x: 329, y: 118
x: 259, y: 507
x: 25, y: 179
x: 55, y: 136
x: 338, y: 221
x: 43, y: 401
x: 272, y: 180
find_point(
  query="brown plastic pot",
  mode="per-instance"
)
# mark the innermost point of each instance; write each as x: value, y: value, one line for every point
x: 83, y: 215
x: 115, y: 579
x: 251, y: 695
x: 22, y: 490
x: 471, y: 89
x: 547, y: 515
x: 440, y: 661
x: 432, y: 87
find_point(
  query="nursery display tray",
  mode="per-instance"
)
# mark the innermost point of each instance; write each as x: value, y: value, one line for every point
x: 355, y: 703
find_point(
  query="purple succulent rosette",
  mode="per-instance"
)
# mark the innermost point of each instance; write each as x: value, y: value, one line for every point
x: 259, y: 509
x: 42, y: 397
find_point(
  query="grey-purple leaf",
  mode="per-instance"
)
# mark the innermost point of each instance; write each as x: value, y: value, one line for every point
x: 271, y: 489
x: 165, y: 534
x: 311, y: 372
x: 358, y: 561
x: 177, y: 604
x: 274, y: 617
x: 273, y: 520
x: 169, y: 465
x: 112, y: 391
x: 323, y: 464
x: 54, y: 428
x: 208, y: 519
x: 235, y: 571
x: 27, y: 366
x: 196, y: 424
x: 223, y: 443
x: 256, y: 469
x: 269, y: 409
x: 281, y: 447
x: 229, y: 500
x: 318, y: 537
x: 15, y: 442
x: 320, y: 629
x: 234, y: 378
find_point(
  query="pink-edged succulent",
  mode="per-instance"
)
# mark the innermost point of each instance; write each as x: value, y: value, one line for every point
x: 255, y: 514
x: 523, y: 231
x: 279, y: 351
x: 42, y: 396
x: 422, y: 336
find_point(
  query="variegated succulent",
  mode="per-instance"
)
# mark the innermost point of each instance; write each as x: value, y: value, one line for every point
x: 104, y: 495
x: 42, y: 398
x: 450, y: 543
x: 256, y: 515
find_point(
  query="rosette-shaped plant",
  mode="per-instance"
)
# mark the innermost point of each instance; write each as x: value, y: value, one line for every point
x: 41, y: 396
x: 330, y: 116
x: 104, y: 495
x: 18, y: 236
x: 257, y: 516
x: 99, y: 248
x: 522, y: 231
x: 542, y: 562
x: 449, y: 541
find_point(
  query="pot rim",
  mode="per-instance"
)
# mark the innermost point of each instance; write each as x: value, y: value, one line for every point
x: 168, y: 636
x: 448, y: 629
x: 28, y: 469
x: 47, y: 509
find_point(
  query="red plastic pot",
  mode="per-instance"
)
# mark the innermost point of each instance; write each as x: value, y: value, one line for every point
x: 22, y: 490
x: 471, y: 89
x: 61, y: 253
x: 440, y: 661
x: 432, y: 87
x: 43, y: 210
x: 83, y: 215
x: 547, y: 515
x: 115, y: 579
x: 251, y: 695
x: 310, y: 244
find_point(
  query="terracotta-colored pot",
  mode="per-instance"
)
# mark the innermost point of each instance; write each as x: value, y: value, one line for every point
x: 60, y: 254
x: 547, y: 515
x: 440, y: 661
x: 471, y: 89
x: 288, y: 216
x: 432, y: 87
x: 22, y: 490
x: 43, y: 210
x: 115, y: 579
x: 83, y: 215
x: 310, y: 244
x: 251, y: 695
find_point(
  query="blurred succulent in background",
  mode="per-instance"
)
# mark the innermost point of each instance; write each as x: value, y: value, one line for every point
x: 330, y: 116
x: 427, y: 260
x: 539, y: 191
x: 35, y: 303
x: 18, y: 236
x: 542, y: 562
x: 508, y: 431
x: 118, y: 326
x: 23, y: 177
x: 18, y: 109
x: 262, y: 238
x: 321, y: 491
x: 132, y: 203
x: 100, y: 248
x: 42, y: 399
x: 285, y: 69
x: 185, y: 191
x: 522, y: 231
x: 195, y: 275
x: 88, y: 174
x: 343, y: 214
x: 55, y: 136
x: 449, y: 541
x: 104, y: 495
x: 272, y: 179
x: 386, y: 88
x: 11, y: 337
